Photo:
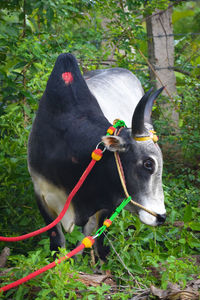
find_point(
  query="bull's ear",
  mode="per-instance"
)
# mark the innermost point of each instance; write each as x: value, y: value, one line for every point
x: 114, y: 143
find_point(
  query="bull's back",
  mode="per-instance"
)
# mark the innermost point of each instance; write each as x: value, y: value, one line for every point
x: 117, y: 91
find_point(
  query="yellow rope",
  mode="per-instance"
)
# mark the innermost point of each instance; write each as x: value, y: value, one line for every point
x: 125, y: 189
x: 121, y: 176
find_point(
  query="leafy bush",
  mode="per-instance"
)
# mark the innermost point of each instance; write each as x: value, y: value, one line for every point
x: 189, y: 122
x: 18, y: 205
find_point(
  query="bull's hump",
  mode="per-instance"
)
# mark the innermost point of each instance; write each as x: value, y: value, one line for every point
x: 66, y: 89
x: 117, y: 91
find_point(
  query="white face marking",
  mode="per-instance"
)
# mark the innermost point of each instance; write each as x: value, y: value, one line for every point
x: 155, y: 206
x: 150, y: 191
x: 147, y: 219
x: 55, y: 199
x: 152, y: 204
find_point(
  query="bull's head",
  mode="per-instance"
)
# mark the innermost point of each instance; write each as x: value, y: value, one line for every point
x: 142, y: 161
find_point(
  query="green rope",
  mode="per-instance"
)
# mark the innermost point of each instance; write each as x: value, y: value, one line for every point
x: 114, y: 215
x: 120, y: 207
x: 119, y: 123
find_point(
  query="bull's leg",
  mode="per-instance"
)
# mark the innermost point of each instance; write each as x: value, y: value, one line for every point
x: 92, y: 225
x: 102, y: 250
x: 57, y: 238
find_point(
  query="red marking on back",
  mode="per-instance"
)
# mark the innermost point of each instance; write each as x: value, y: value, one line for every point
x: 67, y: 77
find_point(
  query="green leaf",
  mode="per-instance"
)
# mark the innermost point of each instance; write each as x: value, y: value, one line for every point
x: 20, y: 65
x: 194, y: 226
x: 178, y: 15
x: 164, y: 280
x: 182, y: 241
x: 194, y: 243
x: 188, y: 214
x: 180, y: 122
x: 49, y: 14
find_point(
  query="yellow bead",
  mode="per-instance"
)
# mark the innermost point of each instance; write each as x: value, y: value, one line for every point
x: 97, y: 154
x: 115, y: 121
x: 110, y: 131
x: 88, y: 242
x: 155, y: 138
x: 107, y: 223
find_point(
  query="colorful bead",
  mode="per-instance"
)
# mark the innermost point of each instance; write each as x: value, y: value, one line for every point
x: 115, y: 121
x: 155, y: 138
x: 111, y: 130
x: 107, y: 222
x: 97, y: 154
x: 88, y: 241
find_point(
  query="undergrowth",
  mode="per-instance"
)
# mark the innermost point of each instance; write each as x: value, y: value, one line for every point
x: 140, y: 255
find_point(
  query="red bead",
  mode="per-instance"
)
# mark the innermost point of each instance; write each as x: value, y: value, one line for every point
x: 111, y: 130
x: 107, y: 222
x: 97, y: 154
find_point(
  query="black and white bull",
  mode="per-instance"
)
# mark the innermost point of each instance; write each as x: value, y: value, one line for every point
x: 73, y: 117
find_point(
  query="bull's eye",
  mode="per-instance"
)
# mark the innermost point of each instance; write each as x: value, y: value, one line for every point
x: 149, y: 165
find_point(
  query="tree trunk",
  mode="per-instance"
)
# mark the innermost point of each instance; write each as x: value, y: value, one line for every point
x: 161, y: 57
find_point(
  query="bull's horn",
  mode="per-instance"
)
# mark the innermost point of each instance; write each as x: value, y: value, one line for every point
x: 149, y: 105
x: 138, y: 115
x: 143, y: 111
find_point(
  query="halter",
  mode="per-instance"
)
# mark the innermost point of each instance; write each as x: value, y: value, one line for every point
x: 113, y: 130
x: 152, y: 137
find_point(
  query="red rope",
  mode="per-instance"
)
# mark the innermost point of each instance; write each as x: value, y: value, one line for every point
x: 96, y: 156
x: 40, y: 271
x: 59, y: 218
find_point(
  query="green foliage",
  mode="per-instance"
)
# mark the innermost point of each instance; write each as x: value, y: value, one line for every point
x: 178, y: 271
x: 58, y: 283
x: 32, y: 35
x: 170, y: 250
x: 189, y: 122
x: 187, y: 56
x: 183, y: 142
x: 16, y: 191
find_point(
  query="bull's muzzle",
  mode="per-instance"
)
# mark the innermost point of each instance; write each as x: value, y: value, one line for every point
x: 161, y: 219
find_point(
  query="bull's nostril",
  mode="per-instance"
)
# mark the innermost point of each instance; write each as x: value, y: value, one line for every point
x: 161, y: 219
